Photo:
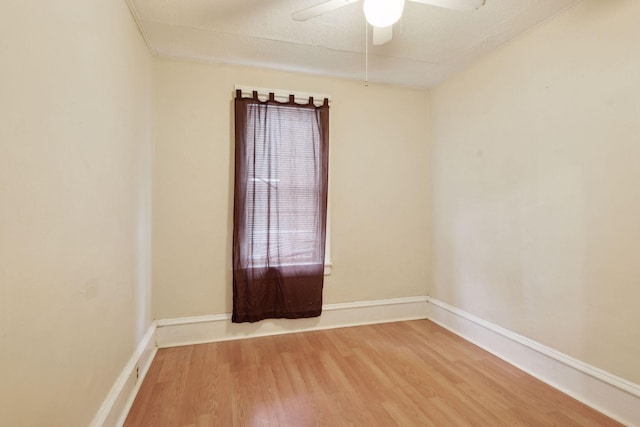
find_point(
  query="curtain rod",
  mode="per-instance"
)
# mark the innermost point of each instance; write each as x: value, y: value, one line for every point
x: 283, y: 94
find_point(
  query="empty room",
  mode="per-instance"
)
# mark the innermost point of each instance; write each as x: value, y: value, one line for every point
x: 312, y: 212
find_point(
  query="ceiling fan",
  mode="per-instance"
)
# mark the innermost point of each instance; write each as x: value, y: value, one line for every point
x: 382, y: 14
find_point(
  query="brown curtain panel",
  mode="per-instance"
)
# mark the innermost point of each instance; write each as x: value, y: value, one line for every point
x: 280, y: 208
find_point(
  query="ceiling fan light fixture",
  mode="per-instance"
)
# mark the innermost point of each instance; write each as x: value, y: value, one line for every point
x: 382, y: 13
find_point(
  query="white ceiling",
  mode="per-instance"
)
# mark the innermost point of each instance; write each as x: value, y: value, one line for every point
x: 429, y: 43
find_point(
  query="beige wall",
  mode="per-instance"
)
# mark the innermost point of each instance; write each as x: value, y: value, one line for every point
x: 75, y: 135
x: 536, y: 186
x: 378, y: 193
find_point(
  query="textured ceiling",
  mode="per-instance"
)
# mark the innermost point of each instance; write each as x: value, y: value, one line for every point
x: 429, y: 43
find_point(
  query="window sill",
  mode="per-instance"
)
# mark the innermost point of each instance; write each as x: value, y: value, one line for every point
x: 327, y: 268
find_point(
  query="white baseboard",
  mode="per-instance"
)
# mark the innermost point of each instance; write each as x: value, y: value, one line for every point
x: 115, y: 407
x: 606, y: 393
x: 611, y: 395
x: 202, y: 329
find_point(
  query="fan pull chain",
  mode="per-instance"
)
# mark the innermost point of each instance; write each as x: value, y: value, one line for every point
x: 366, y: 54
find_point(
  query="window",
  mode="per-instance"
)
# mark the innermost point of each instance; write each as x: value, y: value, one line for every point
x: 283, y: 187
x: 280, y: 207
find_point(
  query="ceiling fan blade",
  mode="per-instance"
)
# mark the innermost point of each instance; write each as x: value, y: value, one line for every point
x: 454, y: 4
x: 382, y: 35
x: 320, y: 9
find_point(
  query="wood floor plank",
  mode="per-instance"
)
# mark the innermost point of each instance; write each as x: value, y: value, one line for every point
x: 404, y: 374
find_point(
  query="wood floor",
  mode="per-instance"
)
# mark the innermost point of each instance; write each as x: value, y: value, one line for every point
x: 394, y: 374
